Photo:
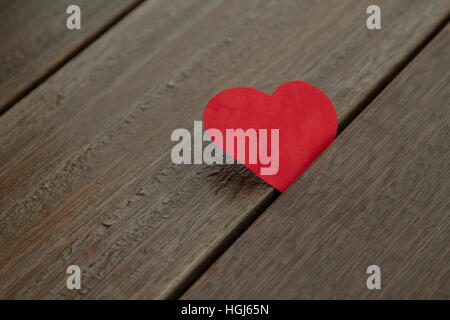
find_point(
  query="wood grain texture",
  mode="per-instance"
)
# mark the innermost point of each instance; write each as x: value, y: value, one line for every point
x: 35, y: 40
x: 85, y: 170
x: 378, y: 195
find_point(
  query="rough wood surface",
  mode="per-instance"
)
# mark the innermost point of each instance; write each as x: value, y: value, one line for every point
x: 85, y: 170
x: 378, y: 195
x: 35, y: 40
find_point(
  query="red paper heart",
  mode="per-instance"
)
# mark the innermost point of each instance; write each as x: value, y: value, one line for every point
x: 304, y: 115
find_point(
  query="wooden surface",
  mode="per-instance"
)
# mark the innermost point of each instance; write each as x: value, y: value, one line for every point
x: 35, y: 39
x: 379, y: 195
x: 85, y: 170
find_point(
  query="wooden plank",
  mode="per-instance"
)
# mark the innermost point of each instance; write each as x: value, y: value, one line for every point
x: 378, y: 195
x: 86, y: 176
x: 36, y: 41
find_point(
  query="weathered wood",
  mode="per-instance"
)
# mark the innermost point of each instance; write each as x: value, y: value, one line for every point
x: 378, y: 195
x: 35, y: 40
x: 85, y: 170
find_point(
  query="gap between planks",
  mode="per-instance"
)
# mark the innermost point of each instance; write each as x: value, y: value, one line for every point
x: 72, y: 53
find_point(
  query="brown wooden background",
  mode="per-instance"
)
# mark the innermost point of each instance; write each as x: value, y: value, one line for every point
x: 86, y: 176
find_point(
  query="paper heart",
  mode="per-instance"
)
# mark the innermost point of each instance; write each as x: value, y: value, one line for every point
x: 304, y: 115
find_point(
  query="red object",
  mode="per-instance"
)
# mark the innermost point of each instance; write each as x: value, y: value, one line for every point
x: 304, y: 115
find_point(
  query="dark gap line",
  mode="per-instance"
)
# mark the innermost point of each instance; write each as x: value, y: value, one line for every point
x: 111, y: 22
x: 223, y: 246
x: 274, y: 194
x: 391, y: 76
